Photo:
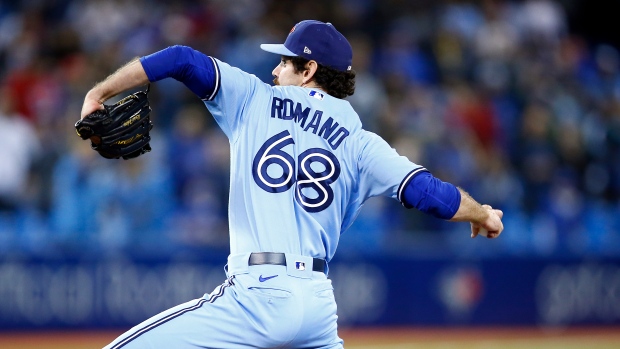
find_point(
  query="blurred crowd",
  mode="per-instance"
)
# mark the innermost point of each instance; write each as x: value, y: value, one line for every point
x: 499, y: 97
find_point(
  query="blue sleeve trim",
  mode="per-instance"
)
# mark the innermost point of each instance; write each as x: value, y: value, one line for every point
x: 431, y: 195
x: 199, y: 72
x: 218, y: 81
x: 405, y: 183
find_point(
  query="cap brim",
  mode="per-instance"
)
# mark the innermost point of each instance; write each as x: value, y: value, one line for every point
x: 278, y: 49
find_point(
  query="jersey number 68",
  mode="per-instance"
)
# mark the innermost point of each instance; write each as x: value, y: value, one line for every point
x: 313, y: 191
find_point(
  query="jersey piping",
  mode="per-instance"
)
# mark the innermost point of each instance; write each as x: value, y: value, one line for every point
x: 405, y: 183
x: 216, y: 88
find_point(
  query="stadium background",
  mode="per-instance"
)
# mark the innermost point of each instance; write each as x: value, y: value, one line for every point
x: 518, y: 102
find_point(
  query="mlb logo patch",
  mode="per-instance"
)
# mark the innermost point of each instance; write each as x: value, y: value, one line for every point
x: 316, y: 94
x: 300, y: 265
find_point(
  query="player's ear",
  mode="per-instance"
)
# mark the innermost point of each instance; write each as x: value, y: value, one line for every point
x: 311, y: 68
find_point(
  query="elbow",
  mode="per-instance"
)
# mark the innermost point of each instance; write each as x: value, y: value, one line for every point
x: 432, y: 196
x: 179, y: 49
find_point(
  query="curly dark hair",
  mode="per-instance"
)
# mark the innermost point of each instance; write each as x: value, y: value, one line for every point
x: 339, y: 84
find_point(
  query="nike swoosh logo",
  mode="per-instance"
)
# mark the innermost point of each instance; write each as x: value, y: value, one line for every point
x: 263, y: 279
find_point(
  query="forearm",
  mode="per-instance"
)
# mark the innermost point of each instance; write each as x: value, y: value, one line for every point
x: 446, y: 201
x: 194, y: 69
x: 127, y: 77
x: 470, y: 210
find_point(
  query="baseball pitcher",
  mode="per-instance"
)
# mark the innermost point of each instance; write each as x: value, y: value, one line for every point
x: 302, y: 166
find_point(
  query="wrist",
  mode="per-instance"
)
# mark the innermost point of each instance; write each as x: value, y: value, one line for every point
x: 484, y: 215
x: 95, y: 95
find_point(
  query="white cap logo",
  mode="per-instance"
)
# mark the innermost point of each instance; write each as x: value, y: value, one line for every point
x: 307, y: 50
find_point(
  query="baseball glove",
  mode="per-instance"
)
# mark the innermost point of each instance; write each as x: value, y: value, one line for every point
x: 121, y: 129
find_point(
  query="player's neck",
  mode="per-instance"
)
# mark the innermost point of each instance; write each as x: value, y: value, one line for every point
x: 312, y: 84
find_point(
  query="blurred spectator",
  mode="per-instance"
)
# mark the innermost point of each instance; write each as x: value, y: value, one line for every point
x: 20, y: 146
x: 370, y: 98
x: 199, y: 179
x: 110, y: 206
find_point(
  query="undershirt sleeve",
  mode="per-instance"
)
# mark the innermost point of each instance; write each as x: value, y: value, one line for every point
x: 423, y: 191
x: 194, y: 69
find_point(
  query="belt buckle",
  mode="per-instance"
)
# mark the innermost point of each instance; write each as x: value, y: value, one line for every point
x: 299, y: 265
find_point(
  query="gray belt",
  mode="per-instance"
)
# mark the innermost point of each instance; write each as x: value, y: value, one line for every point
x: 258, y: 258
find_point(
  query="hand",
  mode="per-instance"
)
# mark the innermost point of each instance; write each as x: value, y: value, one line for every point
x: 491, y: 227
x: 90, y: 105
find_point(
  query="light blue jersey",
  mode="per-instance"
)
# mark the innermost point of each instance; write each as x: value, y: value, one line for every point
x: 301, y: 166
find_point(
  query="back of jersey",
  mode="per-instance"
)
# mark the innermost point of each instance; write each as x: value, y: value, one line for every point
x: 296, y: 165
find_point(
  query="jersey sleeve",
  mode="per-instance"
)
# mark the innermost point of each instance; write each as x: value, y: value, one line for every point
x: 235, y: 97
x: 383, y: 172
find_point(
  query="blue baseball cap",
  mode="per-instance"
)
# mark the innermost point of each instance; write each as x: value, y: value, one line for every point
x: 318, y: 41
